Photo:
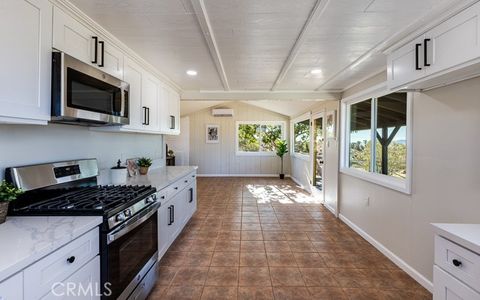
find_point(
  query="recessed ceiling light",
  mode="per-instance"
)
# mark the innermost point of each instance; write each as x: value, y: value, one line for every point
x: 192, y: 73
x: 316, y: 72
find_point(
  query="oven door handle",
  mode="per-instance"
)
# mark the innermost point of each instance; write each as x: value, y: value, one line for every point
x: 132, y: 223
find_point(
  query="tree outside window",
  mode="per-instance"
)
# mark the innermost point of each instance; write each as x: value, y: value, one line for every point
x: 258, y: 137
x: 301, y: 137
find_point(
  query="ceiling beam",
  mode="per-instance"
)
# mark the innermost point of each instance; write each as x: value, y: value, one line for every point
x: 260, y: 95
x: 315, y: 13
x: 206, y: 27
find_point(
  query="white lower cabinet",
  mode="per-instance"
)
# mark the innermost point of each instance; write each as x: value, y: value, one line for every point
x: 174, y: 213
x: 73, y: 271
x: 12, y: 288
x: 448, y: 287
x: 84, y: 284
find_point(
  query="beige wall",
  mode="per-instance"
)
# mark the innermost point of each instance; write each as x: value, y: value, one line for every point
x: 221, y: 158
x: 446, y: 178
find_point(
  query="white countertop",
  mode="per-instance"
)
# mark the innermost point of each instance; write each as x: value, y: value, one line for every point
x: 467, y: 235
x: 25, y: 240
x: 159, y: 177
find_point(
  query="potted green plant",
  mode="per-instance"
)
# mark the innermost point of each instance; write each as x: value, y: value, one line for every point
x: 144, y: 163
x: 282, y: 148
x: 7, y: 193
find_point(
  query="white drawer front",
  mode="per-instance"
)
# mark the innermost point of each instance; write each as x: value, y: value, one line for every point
x: 460, y: 262
x: 82, y: 285
x: 12, y: 288
x: 447, y: 287
x: 56, y: 267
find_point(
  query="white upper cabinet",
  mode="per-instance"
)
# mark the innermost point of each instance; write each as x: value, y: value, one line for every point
x: 133, y: 75
x: 81, y: 42
x: 150, y: 97
x: 174, y: 112
x: 447, y: 53
x: 25, y: 74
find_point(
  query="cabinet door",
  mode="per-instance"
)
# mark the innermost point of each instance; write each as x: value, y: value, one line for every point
x: 73, y: 38
x: 174, y: 112
x: 403, y: 63
x: 25, y: 73
x: 83, y: 284
x: 447, y: 287
x: 163, y: 112
x: 165, y: 229
x: 179, y: 207
x: 456, y: 40
x: 12, y: 288
x: 150, y: 102
x: 133, y: 76
x: 113, y: 61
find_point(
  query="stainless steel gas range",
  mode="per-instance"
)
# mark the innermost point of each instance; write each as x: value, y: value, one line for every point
x: 129, y: 232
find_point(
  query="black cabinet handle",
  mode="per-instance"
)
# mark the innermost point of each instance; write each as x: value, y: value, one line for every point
x: 148, y: 115
x: 176, y: 187
x: 417, y: 46
x: 144, y: 115
x: 191, y: 195
x: 102, y: 54
x: 456, y: 263
x: 71, y: 259
x: 172, y: 122
x: 173, y: 214
x: 425, y: 54
x: 95, y: 40
x: 186, y: 181
x: 170, y: 222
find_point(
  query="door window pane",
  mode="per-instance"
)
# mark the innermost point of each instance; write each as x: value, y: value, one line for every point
x: 391, y: 141
x: 360, y: 135
x: 301, y: 131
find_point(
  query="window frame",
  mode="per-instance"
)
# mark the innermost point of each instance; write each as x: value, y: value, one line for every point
x: 259, y: 153
x: 299, y: 119
x: 398, y: 184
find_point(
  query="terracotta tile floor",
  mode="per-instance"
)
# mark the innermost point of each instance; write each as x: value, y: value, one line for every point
x: 257, y: 238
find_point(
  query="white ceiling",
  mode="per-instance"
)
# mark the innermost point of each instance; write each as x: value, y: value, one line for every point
x: 255, y: 37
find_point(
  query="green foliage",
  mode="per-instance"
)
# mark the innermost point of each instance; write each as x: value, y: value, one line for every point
x: 301, y: 133
x: 144, y: 162
x: 256, y: 137
x: 281, y: 147
x: 397, y: 157
x: 8, y: 192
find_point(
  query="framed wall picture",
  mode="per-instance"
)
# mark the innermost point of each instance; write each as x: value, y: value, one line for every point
x: 132, y: 167
x: 331, y: 126
x: 212, y: 134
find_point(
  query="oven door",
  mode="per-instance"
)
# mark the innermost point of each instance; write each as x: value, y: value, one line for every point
x: 132, y: 249
x: 85, y: 93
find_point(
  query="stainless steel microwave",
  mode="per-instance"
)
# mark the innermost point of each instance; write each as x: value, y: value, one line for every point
x: 84, y: 95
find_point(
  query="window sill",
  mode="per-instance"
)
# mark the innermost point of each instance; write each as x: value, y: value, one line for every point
x: 397, y: 184
x: 301, y: 156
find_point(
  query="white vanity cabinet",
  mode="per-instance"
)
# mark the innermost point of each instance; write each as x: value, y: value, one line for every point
x: 25, y: 74
x: 456, y: 273
x: 176, y: 210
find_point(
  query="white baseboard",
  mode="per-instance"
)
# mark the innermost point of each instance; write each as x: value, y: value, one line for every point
x: 392, y: 256
x: 240, y: 175
x: 330, y: 209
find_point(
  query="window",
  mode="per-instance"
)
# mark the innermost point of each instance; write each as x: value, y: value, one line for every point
x: 301, y: 137
x: 376, y: 140
x: 259, y: 137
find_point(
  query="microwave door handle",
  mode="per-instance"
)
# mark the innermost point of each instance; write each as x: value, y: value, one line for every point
x: 102, y: 54
x: 95, y: 49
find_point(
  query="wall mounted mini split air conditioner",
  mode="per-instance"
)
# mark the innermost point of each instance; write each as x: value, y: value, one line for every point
x: 222, y: 112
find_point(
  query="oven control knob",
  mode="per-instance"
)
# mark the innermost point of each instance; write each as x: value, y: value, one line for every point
x: 120, y: 217
x: 154, y: 196
x: 128, y: 213
x: 149, y: 200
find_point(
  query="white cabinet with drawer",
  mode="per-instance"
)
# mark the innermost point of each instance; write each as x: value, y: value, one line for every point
x: 61, y: 264
x: 12, y: 288
x: 457, y: 262
x: 176, y: 210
